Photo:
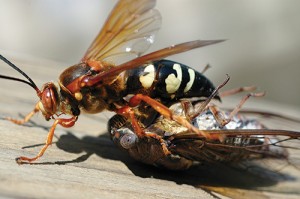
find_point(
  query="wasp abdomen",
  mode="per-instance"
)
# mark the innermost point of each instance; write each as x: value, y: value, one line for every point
x: 169, y: 80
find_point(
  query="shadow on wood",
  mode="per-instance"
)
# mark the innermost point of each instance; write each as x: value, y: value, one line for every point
x: 219, y: 175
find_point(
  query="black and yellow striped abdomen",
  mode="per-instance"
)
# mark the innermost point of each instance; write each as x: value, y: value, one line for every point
x: 168, y: 80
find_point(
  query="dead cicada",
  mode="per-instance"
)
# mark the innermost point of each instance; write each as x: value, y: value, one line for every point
x: 233, y: 137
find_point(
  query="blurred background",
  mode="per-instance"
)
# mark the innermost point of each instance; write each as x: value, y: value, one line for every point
x: 262, y: 47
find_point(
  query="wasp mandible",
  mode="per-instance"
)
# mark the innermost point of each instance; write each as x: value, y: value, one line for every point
x: 140, y: 89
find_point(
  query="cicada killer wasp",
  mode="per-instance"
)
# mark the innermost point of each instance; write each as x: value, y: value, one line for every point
x: 99, y: 83
x: 140, y: 90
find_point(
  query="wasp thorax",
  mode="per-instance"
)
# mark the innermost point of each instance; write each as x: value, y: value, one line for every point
x: 48, y: 100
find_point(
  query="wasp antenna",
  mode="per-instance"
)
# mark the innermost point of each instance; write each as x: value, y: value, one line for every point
x: 30, y: 83
x: 17, y: 79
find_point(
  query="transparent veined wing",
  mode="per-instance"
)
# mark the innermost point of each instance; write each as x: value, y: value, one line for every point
x: 128, y: 31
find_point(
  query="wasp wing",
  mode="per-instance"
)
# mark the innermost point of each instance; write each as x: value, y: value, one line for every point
x: 129, y: 30
x: 157, y: 55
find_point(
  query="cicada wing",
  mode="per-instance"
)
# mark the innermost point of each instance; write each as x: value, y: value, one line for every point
x: 129, y: 30
x: 253, y: 165
x: 237, y: 146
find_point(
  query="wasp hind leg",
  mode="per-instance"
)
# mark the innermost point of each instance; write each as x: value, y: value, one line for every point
x: 165, y: 112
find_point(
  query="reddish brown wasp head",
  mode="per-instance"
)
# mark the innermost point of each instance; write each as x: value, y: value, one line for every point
x: 48, y: 103
x: 48, y: 95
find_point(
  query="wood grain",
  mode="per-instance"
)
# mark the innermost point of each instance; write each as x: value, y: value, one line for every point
x: 84, y: 163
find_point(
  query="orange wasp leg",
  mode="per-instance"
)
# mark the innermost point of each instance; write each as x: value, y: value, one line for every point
x: 167, y: 113
x: 61, y: 121
x: 26, y: 118
x: 129, y: 113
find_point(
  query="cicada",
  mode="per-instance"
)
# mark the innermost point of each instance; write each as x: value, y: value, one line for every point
x: 233, y: 137
x: 104, y: 81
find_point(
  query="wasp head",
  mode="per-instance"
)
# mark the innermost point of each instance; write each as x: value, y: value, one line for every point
x: 49, y: 100
x: 49, y: 103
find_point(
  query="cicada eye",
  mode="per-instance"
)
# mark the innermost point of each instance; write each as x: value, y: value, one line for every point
x: 124, y: 137
x: 128, y: 140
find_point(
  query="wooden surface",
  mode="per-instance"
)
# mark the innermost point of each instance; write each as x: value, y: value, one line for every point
x: 84, y: 163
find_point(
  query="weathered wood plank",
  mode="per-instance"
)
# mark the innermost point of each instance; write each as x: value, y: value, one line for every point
x: 84, y: 163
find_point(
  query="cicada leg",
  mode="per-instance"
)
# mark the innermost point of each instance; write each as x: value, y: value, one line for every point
x: 63, y: 122
x: 26, y: 118
x: 191, y: 112
x: 205, y: 68
x: 220, y: 116
x: 237, y: 90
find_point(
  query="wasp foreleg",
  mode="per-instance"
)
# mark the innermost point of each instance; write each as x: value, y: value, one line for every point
x: 26, y: 118
x: 61, y: 121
